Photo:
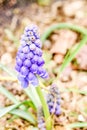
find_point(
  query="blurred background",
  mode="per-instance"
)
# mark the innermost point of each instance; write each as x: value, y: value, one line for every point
x: 14, y: 16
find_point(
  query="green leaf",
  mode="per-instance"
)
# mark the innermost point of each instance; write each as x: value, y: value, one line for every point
x: 9, y: 95
x: 44, y: 2
x: 73, y: 27
x: 5, y: 110
x: 76, y: 28
x: 13, y: 118
x: 11, y: 36
x: 10, y: 72
x: 74, y: 90
x: 73, y: 54
x: 25, y: 115
x: 12, y: 109
x: 32, y: 94
x: 29, y: 103
x: 78, y: 125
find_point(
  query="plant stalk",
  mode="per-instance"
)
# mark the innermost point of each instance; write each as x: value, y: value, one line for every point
x: 45, y: 109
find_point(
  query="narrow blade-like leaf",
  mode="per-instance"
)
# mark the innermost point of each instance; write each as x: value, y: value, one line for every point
x: 78, y: 125
x: 25, y: 115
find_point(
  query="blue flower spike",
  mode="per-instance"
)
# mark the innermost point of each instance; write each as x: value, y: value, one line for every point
x: 53, y: 100
x: 40, y: 119
x: 29, y: 58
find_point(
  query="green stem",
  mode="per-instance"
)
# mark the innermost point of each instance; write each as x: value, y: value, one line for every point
x: 32, y: 94
x: 63, y: 26
x: 45, y: 109
x: 76, y: 50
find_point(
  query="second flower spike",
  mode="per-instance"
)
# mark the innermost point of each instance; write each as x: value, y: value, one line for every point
x: 53, y: 100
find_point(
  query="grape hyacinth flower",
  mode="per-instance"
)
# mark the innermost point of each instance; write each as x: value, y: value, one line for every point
x: 53, y: 100
x: 29, y: 61
x: 40, y: 118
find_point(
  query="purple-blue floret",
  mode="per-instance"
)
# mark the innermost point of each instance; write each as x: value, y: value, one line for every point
x: 53, y: 100
x: 29, y: 61
x: 40, y: 119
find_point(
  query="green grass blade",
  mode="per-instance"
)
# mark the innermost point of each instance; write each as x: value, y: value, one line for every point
x: 75, y: 90
x: 8, y: 94
x: 13, y: 118
x: 73, y: 27
x: 83, y: 92
x: 32, y: 94
x: 78, y: 125
x: 69, y: 59
x: 29, y: 103
x: 44, y: 2
x: 5, y: 110
x: 10, y: 72
x: 11, y: 36
x: 23, y: 114
x: 11, y: 109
